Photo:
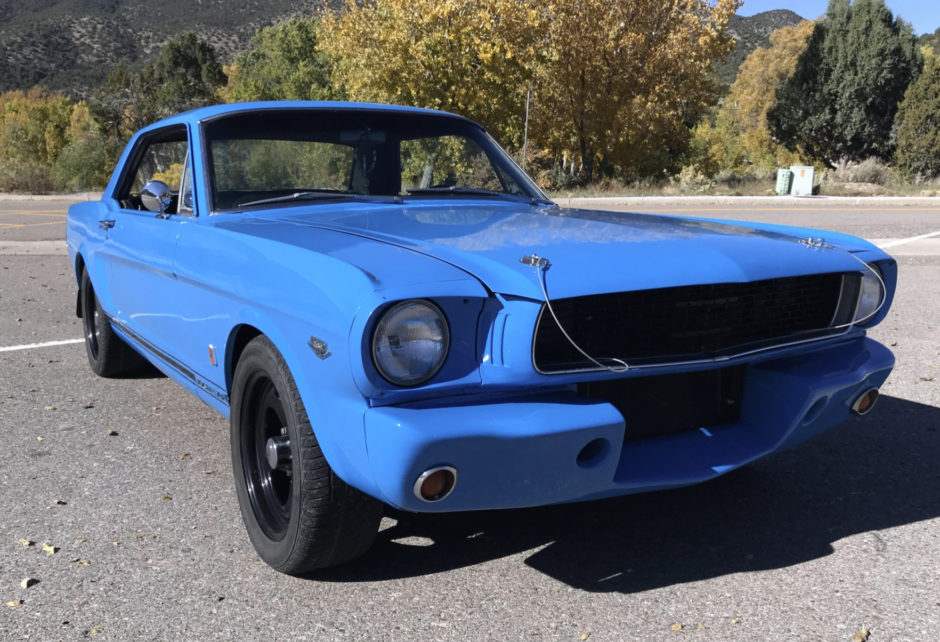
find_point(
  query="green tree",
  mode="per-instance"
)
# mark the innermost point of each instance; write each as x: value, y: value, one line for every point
x: 282, y: 64
x: 840, y: 102
x: 740, y: 139
x: 86, y: 161
x: 185, y: 75
x: 918, y: 122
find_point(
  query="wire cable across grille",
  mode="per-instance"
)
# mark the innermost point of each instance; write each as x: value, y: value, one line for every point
x: 691, y: 322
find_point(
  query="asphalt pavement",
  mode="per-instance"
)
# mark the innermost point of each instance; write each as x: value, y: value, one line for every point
x: 116, y: 499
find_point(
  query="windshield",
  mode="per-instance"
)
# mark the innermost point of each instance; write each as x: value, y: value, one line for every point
x: 288, y: 156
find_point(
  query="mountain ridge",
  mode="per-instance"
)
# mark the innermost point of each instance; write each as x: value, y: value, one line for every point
x: 72, y: 45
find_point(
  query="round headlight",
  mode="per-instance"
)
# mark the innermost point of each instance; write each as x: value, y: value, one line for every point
x: 871, y: 295
x: 410, y: 342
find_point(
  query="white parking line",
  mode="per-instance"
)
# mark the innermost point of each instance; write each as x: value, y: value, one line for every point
x: 46, y: 344
x: 895, y: 242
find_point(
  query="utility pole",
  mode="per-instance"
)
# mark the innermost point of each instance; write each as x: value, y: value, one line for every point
x: 525, y: 131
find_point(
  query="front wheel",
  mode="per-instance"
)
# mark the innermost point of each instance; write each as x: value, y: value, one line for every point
x: 299, y: 515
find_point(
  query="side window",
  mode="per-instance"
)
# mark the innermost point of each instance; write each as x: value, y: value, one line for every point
x: 163, y: 156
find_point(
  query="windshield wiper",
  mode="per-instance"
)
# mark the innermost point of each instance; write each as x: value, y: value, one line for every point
x: 312, y: 195
x: 455, y: 189
x: 462, y: 189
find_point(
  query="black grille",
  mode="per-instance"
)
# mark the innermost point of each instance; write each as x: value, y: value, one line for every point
x: 673, y: 403
x: 690, y: 322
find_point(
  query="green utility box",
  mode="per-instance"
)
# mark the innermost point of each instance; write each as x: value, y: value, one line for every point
x: 802, y: 180
x: 784, y: 181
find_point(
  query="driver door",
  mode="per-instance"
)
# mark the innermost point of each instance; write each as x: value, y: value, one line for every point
x: 141, y: 244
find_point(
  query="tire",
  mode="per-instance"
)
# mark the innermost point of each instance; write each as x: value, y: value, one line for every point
x: 299, y: 515
x: 108, y: 354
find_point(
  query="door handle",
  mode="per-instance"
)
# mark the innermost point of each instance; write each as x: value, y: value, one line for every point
x: 106, y: 224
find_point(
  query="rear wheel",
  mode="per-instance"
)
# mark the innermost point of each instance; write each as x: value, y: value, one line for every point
x: 299, y: 515
x: 108, y: 354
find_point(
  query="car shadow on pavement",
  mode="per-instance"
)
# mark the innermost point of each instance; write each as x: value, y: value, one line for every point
x: 866, y: 475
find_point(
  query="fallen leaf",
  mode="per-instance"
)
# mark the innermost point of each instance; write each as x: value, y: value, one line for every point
x: 212, y: 472
x: 26, y: 582
x: 735, y: 620
x: 80, y: 561
x: 676, y: 627
x: 26, y: 542
x: 112, y: 433
x: 166, y: 498
x: 80, y: 540
x: 861, y: 636
x: 701, y: 626
x: 90, y: 404
x: 49, y: 548
x: 584, y: 636
x: 48, y: 407
x: 95, y: 631
x: 14, y: 603
x: 40, y: 438
x: 185, y: 456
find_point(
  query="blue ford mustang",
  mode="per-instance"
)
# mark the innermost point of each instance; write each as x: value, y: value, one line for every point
x: 391, y: 312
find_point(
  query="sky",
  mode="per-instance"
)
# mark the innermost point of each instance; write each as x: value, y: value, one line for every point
x: 923, y: 14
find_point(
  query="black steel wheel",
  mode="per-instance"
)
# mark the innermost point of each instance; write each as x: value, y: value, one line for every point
x: 108, y: 354
x: 299, y: 515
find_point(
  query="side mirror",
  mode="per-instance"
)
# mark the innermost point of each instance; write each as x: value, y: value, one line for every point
x: 156, y: 197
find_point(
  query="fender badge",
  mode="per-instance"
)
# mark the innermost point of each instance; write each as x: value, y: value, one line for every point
x: 320, y: 348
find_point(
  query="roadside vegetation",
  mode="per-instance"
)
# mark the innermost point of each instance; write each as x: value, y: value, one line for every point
x: 623, y: 98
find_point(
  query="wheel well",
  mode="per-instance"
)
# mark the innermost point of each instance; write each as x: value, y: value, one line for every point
x: 240, y: 338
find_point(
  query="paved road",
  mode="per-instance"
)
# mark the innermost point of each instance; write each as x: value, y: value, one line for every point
x: 814, y: 544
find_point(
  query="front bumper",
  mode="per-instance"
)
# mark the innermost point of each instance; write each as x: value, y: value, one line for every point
x: 537, y: 450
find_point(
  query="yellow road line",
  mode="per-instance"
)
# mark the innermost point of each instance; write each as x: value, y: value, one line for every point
x: 22, y: 225
x: 47, y: 213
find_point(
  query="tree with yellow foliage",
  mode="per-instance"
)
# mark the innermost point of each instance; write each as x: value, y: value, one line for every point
x: 740, y: 139
x: 614, y: 81
x: 472, y: 57
x: 33, y: 128
x: 624, y: 79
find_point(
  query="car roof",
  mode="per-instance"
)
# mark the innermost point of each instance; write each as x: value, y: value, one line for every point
x: 215, y: 111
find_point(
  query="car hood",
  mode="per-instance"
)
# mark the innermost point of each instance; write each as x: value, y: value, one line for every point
x: 588, y: 252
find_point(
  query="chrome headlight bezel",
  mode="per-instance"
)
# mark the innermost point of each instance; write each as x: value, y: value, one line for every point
x: 402, y: 361
x: 871, y: 295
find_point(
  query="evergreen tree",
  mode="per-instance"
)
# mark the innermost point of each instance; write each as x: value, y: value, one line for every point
x: 841, y: 100
x: 918, y: 123
x: 185, y: 75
